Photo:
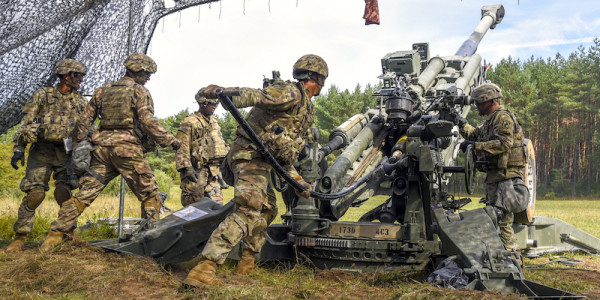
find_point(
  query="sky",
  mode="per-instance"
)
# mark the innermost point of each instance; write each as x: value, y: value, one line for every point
x: 239, y: 42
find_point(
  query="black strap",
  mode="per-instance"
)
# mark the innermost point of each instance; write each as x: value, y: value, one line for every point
x: 95, y: 175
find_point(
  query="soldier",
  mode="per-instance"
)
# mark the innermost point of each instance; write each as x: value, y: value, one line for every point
x: 48, y: 123
x: 281, y: 116
x: 500, y: 142
x: 127, y: 124
x: 201, y: 154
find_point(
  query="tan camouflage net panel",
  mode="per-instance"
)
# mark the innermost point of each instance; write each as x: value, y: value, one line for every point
x: 36, y: 34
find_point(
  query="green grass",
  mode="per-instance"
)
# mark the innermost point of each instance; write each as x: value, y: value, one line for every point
x: 584, y: 214
x: 35, y: 275
x: 580, y: 213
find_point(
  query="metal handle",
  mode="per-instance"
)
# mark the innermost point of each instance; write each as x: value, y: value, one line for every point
x: 228, y: 93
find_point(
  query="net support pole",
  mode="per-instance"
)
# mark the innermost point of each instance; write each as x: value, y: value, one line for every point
x: 122, y: 192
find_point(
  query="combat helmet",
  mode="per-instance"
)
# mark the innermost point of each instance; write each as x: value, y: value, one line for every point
x: 140, y: 62
x: 486, y: 92
x: 201, y: 99
x: 308, y: 64
x: 69, y: 65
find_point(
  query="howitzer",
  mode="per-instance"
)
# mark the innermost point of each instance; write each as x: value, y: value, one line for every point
x: 404, y: 149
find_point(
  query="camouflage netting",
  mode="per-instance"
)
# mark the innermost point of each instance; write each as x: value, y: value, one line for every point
x: 36, y: 34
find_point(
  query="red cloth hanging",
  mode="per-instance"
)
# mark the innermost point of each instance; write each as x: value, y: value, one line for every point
x: 371, y: 15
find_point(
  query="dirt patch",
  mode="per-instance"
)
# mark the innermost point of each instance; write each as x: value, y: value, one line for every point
x: 339, y: 276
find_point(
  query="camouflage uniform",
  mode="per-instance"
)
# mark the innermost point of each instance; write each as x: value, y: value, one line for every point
x: 281, y: 116
x: 499, y: 141
x: 126, y: 112
x: 48, y: 120
x: 202, y: 148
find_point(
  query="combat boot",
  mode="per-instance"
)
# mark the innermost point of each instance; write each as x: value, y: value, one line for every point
x: 151, y: 208
x: 53, y: 239
x: 17, y: 244
x: 203, y: 273
x: 246, y: 265
x: 70, y: 237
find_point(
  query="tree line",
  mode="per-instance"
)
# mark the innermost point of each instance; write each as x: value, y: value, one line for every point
x: 557, y: 101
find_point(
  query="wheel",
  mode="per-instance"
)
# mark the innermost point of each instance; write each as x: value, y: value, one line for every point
x: 470, y: 170
x: 530, y: 179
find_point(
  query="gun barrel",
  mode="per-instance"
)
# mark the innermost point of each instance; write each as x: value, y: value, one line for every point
x: 491, y: 15
x: 426, y: 79
x: 468, y: 72
x: 345, y: 133
x: 333, y: 175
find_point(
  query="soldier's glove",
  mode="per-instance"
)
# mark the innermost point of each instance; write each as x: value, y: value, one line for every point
x: 306, y: 192
x: 210, y: 92
x: 18, y: 156
x: 465, y: 144
x: 176, y: 144
x: 190, y: 174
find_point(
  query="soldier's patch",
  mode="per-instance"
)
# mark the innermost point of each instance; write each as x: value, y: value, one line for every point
x: 506, y: 124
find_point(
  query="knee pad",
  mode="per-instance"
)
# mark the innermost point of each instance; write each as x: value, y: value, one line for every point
x: 34, y: 198
x: 62, y: 193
